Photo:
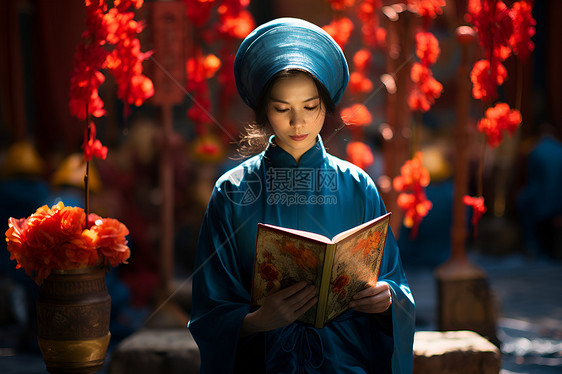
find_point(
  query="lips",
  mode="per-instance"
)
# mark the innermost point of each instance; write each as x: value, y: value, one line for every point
x: 298, y: 138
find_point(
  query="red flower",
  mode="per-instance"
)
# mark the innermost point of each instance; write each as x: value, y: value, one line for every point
x: 478, y: 209
x: 85, y: 81
x: 237, y: 24
x: 427, y: 48
x: 80, y: 252
x: 357, y: 115
x: 16, y: 238
x: 426, y: 88
x: 71, y: 221
x: 367, y: 12
x: 110, y: 41
x: 413, y: 177
x: 199, y: 11
x: 55, y: 238
x: 362, y: 246
x: 491, y: 129
x: 359, y: 83
x: 126, y: 4
x: 499, y: 118
x: 415, y: 207
x: 362, y: 59
x: 428, y: 8
x: 92, y: 146
x: 485, y: 80
x: 365, y: 246
x: 340, y: 29
x: 201, y: 68
x: 359, y: 154
x: 268, y: 272
x: 125, y: 61
x: 341, y: 4
x: 338, y: 287
x: 108, y: 236
x: 303, y: 258
x: 523, y: 29
x: 492, y: 22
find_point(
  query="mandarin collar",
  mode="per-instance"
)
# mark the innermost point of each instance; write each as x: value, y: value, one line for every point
x: 277, y: 156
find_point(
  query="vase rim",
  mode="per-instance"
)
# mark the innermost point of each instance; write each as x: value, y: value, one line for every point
x: 82, y: 270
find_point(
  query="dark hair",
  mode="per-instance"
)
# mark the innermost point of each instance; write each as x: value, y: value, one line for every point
x: 255, y: 136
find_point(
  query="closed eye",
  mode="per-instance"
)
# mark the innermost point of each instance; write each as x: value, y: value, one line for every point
x: 279, y: 110
x: 311, y: 107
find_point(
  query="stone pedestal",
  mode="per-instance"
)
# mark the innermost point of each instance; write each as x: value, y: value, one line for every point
x: 454, y: 352
x: 464, y: 300
x: 150, y: 351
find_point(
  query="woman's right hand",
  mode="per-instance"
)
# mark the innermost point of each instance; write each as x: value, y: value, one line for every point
x: 280, y: 309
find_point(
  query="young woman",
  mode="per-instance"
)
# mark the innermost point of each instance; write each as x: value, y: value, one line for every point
x: 292, y: 74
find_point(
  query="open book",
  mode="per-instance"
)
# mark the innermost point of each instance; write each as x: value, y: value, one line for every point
x: 339, y: 268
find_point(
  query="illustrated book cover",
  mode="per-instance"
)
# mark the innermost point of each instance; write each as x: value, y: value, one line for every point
x: 338, y: 267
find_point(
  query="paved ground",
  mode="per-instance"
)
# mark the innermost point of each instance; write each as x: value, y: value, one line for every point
x: 529, y: 304
x: 528, y: 297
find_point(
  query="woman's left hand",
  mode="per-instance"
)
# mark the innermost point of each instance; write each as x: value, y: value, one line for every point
x: 374, y: 299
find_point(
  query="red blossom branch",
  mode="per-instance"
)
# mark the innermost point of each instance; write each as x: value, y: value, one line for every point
x: 341, y: 29
x: 424, y: 92
x: 411, y: 185
x: 110, y: 42
x: 233, y: 22
x: 501, y: 32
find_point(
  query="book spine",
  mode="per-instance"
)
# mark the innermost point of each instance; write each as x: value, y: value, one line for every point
x: 325, y: 286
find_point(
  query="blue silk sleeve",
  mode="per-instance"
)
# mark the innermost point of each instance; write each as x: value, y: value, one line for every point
x: 220, y: 302
x: 403, y: 306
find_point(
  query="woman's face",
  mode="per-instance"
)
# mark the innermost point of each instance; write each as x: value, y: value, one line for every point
x: 295, y: 113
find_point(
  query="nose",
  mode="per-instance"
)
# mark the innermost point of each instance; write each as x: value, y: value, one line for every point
x: 297, y: 118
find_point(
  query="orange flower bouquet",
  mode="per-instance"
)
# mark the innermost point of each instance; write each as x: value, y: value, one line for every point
x: 62, y: 238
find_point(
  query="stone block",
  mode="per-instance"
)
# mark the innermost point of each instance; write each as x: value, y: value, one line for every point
x: 151, y: 351
x: 454, y: 352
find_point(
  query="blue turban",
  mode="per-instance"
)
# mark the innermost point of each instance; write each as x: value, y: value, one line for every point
x: 289, y: 43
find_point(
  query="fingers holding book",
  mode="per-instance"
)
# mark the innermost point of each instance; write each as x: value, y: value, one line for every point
x: 373, y: 299
x: 281, y: 308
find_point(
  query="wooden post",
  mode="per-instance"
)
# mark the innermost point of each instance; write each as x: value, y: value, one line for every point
x: 401, y: 24
x: 167, y: 208
x: 11, y: 69
x: 167, y: 71
x: 464, y: 300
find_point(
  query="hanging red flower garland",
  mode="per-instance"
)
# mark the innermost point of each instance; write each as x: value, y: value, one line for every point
x: 233, y: 22
x: 425, y: 90
x: 110, y: 42
x: 501, y: 32
x: 357, y: 116
x: 411, y: 184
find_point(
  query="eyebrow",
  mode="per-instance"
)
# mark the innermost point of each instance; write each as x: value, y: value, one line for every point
x: 285, y: 102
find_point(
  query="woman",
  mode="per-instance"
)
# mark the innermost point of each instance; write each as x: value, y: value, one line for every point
x: 292, y: 74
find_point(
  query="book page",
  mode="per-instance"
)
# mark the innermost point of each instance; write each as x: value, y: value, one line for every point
x: 301, y: 233
x: 353, y: 230
x: 283, y: 260
x: 356, y: 265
